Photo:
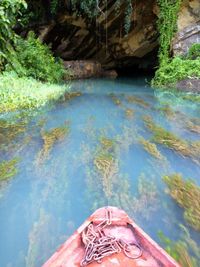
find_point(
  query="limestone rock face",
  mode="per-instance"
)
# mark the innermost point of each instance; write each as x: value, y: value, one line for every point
x: 104, y: 39
x: 185, y: 38
x: 189, y: 85
x: 188, y: 27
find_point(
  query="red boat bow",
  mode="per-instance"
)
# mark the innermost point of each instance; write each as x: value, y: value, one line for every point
x: 110, y: 238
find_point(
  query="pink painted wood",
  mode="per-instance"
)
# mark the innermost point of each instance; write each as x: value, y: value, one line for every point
x: 71, y: 253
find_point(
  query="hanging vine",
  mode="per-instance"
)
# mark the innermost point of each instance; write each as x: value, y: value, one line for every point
x: 167, y: 26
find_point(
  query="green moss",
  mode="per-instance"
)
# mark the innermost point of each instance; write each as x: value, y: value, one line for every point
x: 8, y: 169
x: 25, y: 93
x: 151, y: 148
x: 187, y: 195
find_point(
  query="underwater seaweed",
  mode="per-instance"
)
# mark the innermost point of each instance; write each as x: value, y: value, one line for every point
x: 129, y: 113
x: 185, y: 251
x: 137, y: 100
x: 49, y: 138
x: 170, y: 140
x: 115, y: 100
x: 187, y: 195
x: 8, y: 169
x: 151, y: 148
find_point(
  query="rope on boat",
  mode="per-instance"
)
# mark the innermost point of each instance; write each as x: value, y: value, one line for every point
x: 99, y: 245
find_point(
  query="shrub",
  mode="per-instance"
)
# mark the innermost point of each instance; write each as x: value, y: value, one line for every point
x: 194, y: 51
x: 176, y: 70
x: 34, y: 59
x: 9, y: 11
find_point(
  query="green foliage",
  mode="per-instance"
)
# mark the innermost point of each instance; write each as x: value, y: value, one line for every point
x: 54, y: 6
x: 187, y: 195
x: 91, y: 9
x: 176, y: 70
x: 9, y: 11
x: 167, y: 25
x: 182, y: 249
x: 34, y: 59
x: 194, y: 51
x: 26, y: 93
x: 8, y: 169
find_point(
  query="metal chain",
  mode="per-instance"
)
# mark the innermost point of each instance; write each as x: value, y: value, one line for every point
x: 99, y: 245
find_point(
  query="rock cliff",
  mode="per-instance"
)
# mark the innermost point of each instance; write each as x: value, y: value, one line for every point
x: 104, y: 39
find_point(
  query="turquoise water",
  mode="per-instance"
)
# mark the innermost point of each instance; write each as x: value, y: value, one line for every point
x: 56, y: 189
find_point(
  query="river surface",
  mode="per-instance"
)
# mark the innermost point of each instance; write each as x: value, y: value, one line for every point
x: 61, y: 180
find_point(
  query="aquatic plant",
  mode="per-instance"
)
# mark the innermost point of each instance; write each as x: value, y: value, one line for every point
x: 146, y: 202
x: 107, y: 144
x: 26, y: 93
x: 108, y: 168
x: 185, y: 251
x: 49, y: 139
x: 151, y: 148
x: 187, y: 195
x: 39, y: 244
x: 10, y: 130
x: 70, y: 95
x: 8, y: 169
x: 192, y: 127
x: 129, y: 113
x: 170, y: 140
x: 115, y: 100
x: 137, y: 100
x: 168, y: 111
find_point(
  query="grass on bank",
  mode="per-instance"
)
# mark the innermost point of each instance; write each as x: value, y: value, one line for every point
x: 27, y: 93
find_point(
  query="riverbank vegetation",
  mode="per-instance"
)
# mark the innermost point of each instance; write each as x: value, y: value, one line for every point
x: 26, y: 93
x: 171, y: 70
x: 28, y: 70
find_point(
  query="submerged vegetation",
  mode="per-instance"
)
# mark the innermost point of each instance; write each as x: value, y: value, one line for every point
x: 187, y: 195
x: 8, y: 169
x: 186, y: 251
x: 49, y: 138
x: 170, y: 140
x: 137, y: 100
x: 151, y: 148
x: 129, y: 113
